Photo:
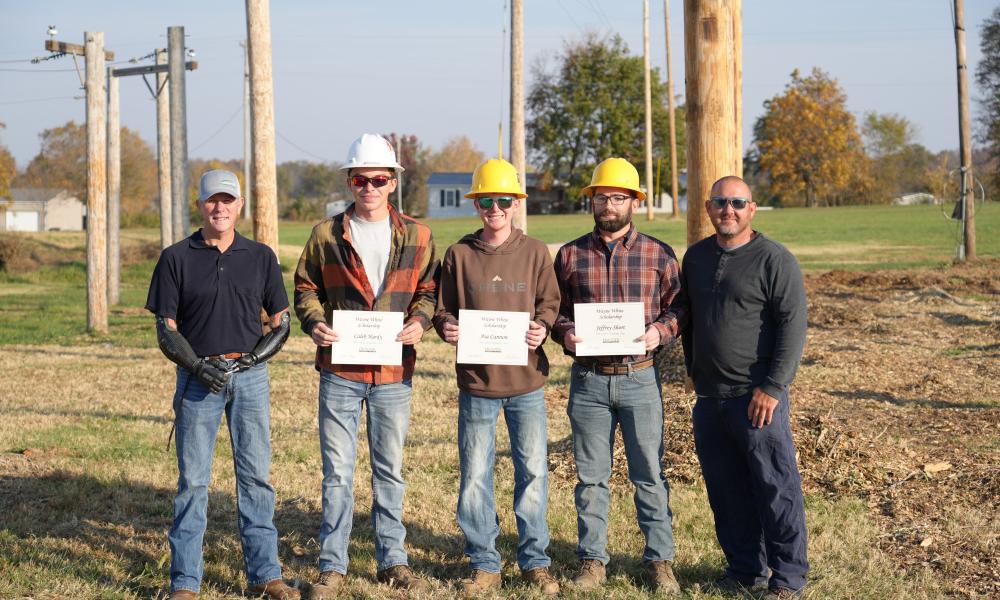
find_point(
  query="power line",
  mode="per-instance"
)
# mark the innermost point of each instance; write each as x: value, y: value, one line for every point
x: 238, y: 110
x: 300, y: 148
x: 42, y: 70
x: 29, y: 100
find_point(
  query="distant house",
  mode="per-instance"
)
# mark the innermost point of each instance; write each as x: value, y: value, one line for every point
x: 915, y: 198
x: 665, y: 204
x: 446, y: 196
x: 336, y: 207
x: 36, y: 209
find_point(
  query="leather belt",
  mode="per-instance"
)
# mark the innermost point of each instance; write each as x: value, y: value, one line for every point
x: 227, y: 356
x: 614, y: 368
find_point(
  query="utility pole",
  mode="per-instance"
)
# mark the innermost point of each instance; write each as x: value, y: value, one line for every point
x: 97, y: 227
x: 517, y: 157
x: 673, y: 126
x: 265, y: 222
x: 649, y: 112
x: 163, y: 151
x: 712, y: 39
x: 399, y: 176
x: 97, y: 137
x: 247, y: 151
x: 178, y: 133
x: 966, y: 196
x: 114, y: 187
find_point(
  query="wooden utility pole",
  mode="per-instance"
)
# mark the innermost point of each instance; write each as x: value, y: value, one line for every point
x: 163, y: 152
x: 712, y: 37
x: 649, y: 112
x: 178, y: 133
x: 247, y: 150
x: 97, y: 229
x: 673, y: 126
x: 97, y: 137
x: 114, y: 187
x: 966, y: 195
x: 517, y: 157
x: 265, y: 221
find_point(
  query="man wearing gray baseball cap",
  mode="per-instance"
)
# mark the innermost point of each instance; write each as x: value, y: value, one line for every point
x: 207, y: 293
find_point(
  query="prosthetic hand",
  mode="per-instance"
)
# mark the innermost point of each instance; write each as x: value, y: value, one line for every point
x: 268, y: 345
x: 177, y: 349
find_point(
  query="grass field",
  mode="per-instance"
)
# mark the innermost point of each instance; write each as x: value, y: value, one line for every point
x: 86, y: 478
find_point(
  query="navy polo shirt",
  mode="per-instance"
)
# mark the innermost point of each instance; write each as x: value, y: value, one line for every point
x: 216, y: 297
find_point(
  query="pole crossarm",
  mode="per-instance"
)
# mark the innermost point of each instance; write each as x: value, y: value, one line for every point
x: 67, y: 48
x: 191, y: 65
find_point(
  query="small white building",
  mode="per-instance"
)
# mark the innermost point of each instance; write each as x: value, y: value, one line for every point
x: 36, y: 209
x: 446, y: 196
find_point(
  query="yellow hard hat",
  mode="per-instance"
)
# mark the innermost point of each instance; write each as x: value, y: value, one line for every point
x: 495, y: 176
x: 615, y: 172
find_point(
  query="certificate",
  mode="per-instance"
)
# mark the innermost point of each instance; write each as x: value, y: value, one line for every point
x: 366, y: 338
x: 492, y: 337
x: 610, y: 328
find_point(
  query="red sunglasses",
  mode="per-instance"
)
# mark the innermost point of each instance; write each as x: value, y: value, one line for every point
x: 377, y: 181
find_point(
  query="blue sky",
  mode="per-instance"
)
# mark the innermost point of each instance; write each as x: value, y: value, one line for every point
x: 437, y: 68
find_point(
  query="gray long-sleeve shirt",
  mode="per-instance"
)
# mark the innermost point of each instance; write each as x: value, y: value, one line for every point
x: 746, y: 317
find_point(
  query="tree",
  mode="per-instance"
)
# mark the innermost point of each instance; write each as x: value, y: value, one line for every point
x: 886, y: 133
x: 62, y: 163
x: 8, y: 169
x: 807, y: 147
x: 591, y: 108
x: 899, y: 165
x: 988, y: 80
x: 415, y: 158
x: 458, y: 155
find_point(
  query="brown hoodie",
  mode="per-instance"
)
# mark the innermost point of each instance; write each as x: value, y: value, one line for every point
x: 514, y: 276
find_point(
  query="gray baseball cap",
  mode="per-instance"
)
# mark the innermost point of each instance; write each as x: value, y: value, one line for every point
x: 218, y: 181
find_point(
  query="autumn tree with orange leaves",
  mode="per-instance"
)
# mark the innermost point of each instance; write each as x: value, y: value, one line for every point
x: 807, y: 149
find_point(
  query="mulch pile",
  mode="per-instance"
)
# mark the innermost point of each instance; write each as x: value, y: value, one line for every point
x: 897, y: 402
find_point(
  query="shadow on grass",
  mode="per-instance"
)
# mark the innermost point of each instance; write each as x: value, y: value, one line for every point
x: 907, y: 402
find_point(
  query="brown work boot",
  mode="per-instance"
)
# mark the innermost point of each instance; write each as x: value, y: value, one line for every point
x: 479, y: 581
x: 781, y: 593
x: 661, y: 577
x: 326, y: 586
x: 542, y: 579
x: 183, y: 595
x: 591, y: 575
x: 402, y: 577
x: 276, y: 589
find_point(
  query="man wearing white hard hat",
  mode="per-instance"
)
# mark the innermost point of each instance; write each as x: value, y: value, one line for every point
x: 498, y: 268
x: 368, y: 258
x: 207, y: 292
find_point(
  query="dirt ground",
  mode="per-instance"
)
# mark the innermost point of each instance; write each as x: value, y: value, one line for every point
x: 896, y: 402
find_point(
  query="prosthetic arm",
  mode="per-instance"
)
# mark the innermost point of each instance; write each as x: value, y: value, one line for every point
x: 268, y: 345
x: 176, y: 348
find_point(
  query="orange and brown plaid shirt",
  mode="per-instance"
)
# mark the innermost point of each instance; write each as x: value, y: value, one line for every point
x: 330, y: 276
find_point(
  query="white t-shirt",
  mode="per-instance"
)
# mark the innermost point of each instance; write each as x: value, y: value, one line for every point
x: 373, y: 240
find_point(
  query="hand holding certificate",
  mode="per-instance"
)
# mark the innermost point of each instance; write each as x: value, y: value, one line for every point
x: 366, y: 338
x: 492, y: 337
x: 610, y: 328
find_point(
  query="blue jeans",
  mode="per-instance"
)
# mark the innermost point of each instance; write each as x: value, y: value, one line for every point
x: 340, y: 403
x: 597, y: 405
x: 198, y: 413
x: 754, y: 489
x: 477, y: 514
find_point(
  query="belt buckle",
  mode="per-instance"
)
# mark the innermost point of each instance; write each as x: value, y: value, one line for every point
x: 628, y: 369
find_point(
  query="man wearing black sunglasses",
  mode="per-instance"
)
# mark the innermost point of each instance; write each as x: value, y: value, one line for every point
x: 499, y: 268
x: 745, y: 306
x: 368, y: 258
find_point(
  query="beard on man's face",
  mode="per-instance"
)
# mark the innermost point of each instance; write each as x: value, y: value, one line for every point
x: 612, y: 225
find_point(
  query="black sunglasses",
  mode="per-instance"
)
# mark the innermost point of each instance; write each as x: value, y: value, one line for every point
x: 737, y: 203
x: 377, y: 181
x: 487, y: 203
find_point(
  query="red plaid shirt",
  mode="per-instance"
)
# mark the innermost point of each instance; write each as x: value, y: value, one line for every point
x: 330, y: 276
x: 638, y: 268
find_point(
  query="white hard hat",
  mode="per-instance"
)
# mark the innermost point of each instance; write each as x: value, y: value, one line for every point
x: 371, y: 150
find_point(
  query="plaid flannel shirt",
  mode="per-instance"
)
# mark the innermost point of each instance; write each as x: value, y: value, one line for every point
x: 330, y: 276
x: 639, y: 268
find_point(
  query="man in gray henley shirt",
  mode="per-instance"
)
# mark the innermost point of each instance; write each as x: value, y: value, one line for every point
x: 745, y: 305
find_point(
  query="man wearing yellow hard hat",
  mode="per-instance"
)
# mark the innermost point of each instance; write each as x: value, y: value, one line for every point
x: 616, y: 263
x: 498, y: 268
